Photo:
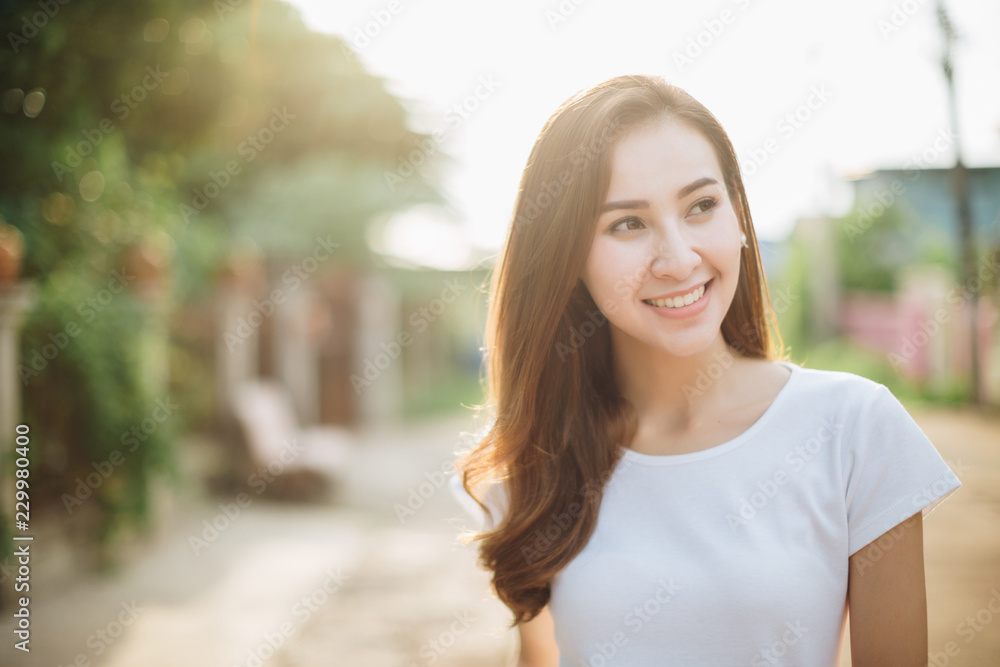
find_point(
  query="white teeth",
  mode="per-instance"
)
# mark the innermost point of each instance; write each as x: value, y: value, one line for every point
x: 678, y: 301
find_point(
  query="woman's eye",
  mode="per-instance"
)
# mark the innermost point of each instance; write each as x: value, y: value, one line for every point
x: 705, y: 205
x: 626, y: 221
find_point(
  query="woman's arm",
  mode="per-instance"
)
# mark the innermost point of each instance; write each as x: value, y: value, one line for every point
x: 538, y: 642
x: 887, y: 599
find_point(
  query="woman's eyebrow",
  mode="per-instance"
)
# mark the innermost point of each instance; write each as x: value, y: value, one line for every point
x: 642, y: 203
x: 691, y: 187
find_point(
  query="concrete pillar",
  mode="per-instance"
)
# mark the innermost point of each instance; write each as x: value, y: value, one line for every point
x: 237, y: 349
x: 378, y: 366
x: 15, y: 301
x: 297, y: 350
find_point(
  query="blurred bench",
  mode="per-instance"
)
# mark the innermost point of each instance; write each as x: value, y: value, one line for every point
x: 287, y: 460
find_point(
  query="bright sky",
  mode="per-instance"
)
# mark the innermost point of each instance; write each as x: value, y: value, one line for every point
x: 870, y: 69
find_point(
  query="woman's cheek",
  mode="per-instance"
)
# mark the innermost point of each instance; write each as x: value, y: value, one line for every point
x: 617, y: 276
x: 621, y: 289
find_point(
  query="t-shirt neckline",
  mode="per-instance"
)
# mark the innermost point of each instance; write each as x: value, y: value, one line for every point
x: 675, y: 459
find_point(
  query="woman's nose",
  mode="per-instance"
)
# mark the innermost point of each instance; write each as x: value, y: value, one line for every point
x: 673, y: 256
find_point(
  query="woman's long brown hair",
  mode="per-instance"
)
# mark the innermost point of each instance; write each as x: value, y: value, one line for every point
x: 557, y: 416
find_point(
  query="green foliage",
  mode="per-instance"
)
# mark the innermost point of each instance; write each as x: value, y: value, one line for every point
x: 450, y: 391
x: 843, y: 355
x: 158, y: 130
x: 793, y: 279
x: 91, y: 391
x: 870, y: 249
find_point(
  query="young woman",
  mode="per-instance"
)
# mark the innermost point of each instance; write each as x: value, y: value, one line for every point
x: 657, y: 484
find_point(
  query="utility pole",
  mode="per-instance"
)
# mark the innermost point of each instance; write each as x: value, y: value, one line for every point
x: 968, y: 258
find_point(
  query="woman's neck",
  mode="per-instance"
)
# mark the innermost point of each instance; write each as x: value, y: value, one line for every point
x: 674, y: 390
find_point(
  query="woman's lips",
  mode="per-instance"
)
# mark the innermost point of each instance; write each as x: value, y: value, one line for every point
x: 689, y: 310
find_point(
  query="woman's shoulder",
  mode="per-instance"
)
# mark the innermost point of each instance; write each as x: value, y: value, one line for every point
x: 838, y: 384
x: 820, y: 396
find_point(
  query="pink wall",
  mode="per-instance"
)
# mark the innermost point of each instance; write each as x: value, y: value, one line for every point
x: 908, y: 331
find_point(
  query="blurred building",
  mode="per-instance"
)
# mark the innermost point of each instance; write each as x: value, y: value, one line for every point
x: 909, y: 305
x: 926, y: 199
x: 355, y: 347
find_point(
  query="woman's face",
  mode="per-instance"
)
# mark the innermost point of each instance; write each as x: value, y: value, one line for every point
x: 668, y: 229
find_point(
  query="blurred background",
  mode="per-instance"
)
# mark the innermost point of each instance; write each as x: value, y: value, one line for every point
x: 244, y: 254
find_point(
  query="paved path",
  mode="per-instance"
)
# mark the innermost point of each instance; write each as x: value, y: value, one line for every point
x: 289, y: 585
x: 962, y: 542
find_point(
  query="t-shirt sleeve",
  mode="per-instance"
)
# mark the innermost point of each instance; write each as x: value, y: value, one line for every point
x: 493, y: 497
x: 891, y: 470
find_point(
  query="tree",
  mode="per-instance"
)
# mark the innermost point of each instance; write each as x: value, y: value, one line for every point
x: 173, y: 125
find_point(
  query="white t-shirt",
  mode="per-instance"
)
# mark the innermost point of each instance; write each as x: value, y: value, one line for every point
x: 738, y: 554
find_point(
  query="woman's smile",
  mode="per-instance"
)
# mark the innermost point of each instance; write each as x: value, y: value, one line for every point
x: 686, y: 305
